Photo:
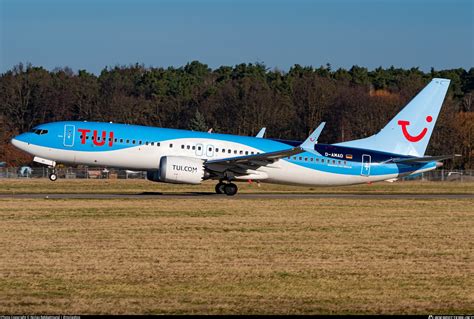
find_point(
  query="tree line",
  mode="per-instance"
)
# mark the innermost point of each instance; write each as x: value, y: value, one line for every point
x: 241, y: 99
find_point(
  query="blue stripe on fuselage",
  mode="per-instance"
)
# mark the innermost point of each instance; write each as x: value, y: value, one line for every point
x: 55, y: 136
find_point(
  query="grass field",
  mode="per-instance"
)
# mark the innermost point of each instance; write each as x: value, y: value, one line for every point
x: 220, y: 255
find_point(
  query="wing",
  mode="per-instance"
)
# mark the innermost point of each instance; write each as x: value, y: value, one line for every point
x: 247, y: 165
x: 241, y: 164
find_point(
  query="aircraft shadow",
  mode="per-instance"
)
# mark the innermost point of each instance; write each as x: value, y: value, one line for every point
x: 190, y: 194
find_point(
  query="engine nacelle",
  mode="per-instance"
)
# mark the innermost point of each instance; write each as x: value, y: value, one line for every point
x: 179, y: 170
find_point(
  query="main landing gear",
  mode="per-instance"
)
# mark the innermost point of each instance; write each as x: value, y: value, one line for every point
x: 230, y: 189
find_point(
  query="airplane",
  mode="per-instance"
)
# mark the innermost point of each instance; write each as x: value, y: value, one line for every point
x: 190, y: 157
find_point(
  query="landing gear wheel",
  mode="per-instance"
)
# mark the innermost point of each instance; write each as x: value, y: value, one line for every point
x: 53, y: 177
x: 230, y: 189
x: 220, y: 188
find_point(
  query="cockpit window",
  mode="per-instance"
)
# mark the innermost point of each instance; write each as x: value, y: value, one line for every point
x: 39, y: 131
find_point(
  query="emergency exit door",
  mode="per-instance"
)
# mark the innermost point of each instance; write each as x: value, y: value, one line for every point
x: 365, y: 170
x: 69, y: 135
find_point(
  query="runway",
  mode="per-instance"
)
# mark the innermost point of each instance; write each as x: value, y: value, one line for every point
x: 197, y: 195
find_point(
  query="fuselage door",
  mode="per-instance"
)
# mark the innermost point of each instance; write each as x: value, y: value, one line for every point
x: 365, y: 170
x: 199, y: 149
x: 69, y: 135
x: 210, y: 150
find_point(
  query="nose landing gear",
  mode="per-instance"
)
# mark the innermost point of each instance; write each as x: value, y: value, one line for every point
x: 230, y: 189
x: 53, y: 177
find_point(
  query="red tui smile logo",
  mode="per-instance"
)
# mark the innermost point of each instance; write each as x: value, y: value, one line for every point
x: 407, y: 135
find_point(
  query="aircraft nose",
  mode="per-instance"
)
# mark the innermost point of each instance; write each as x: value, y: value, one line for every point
x: 15, y: 142
x: 19, y: 141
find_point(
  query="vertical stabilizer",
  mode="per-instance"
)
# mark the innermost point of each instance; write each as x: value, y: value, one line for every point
x: 409, y: 132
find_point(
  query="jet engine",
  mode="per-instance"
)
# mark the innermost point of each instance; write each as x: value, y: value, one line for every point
x: 179, y: 170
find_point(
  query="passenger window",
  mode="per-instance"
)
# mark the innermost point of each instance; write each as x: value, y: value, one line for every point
x: 322, y: 161
x: 334, y: 161
x: 311, y: 159
x: 128, y: 141
x: 133, y: 141
x: 253, y: 153
x: 182, y: 146
x: 246, y: 152
x: 188, y: 147
x: 121, y: 140
x: 305, y: 159
x: 152, y: 143
x: 171, y: 145
x: 235, y: 151
x: 158, y: 144
x: 241, y: 152
x: 294, y: 157
x: 217, y: 150
x: 140, y: 142
x: 229, y: 151
x: 301, y: 158
x: 146, y: 143
x: 194, y: 147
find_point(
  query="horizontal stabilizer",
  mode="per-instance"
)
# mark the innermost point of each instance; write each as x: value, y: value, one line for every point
x: 313, y: 138
x: 424, y: 159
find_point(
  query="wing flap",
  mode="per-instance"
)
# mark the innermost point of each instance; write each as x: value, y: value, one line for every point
x: 262, y: 157
x: 242, y: 163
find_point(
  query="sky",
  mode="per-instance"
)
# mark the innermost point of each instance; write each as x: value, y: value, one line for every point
x: 94, y: 34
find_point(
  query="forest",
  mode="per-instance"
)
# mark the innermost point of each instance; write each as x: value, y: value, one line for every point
x: 238, y: 99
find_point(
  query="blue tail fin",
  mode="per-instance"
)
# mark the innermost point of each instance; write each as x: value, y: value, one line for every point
x: 409, y: 132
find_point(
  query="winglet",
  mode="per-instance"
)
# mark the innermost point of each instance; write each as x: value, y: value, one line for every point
x: 261, y: 133
x: 313, y: 138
